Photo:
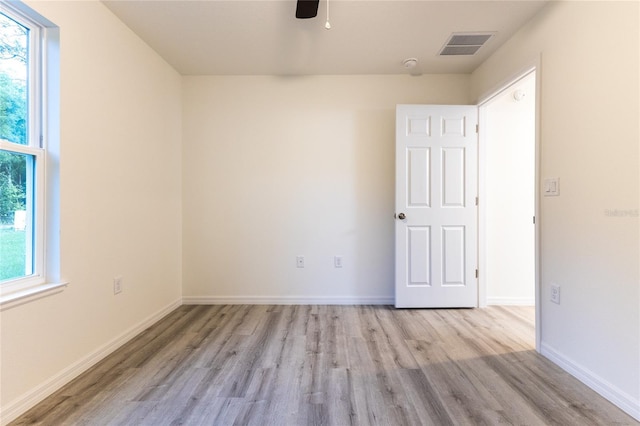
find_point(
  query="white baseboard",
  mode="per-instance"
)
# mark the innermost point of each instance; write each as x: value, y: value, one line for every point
x: 511, y: 301
x: 286, y: 300
x: 23, y: 403
x: 608, y: 391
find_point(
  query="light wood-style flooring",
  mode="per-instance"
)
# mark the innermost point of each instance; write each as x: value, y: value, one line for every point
x: 329, y: 365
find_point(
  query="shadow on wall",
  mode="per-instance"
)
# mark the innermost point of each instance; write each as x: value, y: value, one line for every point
x: 374, y: 227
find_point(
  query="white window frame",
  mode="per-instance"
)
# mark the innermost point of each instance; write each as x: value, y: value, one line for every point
x: 43, y: 143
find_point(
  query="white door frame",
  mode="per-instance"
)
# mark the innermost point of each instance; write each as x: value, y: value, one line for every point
x: 482, y: 212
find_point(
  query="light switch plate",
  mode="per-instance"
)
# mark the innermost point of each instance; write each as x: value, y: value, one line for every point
x: 551, y: 187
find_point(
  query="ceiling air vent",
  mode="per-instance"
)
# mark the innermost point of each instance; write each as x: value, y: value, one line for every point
x: 465, y: 44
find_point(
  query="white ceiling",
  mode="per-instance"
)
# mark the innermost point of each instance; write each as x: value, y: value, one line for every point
x: 250, y: 37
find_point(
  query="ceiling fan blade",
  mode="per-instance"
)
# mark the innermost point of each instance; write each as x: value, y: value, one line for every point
x: 306, y: 9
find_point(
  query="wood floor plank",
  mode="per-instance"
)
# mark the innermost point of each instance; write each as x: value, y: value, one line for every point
x: 424, y: 398
x: 367, y: 396
x: 338, y: 401
x: 296, y: 365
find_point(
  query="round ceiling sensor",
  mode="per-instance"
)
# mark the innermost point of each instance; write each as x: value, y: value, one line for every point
x: 410, y: 63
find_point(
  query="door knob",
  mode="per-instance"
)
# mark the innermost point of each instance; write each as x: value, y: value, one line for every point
x: 402, y: 216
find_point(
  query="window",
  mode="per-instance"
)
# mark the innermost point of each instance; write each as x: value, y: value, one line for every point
x: 24, y: 150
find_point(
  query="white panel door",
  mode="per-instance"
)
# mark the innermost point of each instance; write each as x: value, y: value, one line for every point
x: 436, y: 212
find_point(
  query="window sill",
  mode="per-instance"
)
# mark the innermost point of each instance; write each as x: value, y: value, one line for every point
x: 17, y: 298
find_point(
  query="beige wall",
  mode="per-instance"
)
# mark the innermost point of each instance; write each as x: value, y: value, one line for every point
x: 589, y: 139
x: 120, y: 201
x: 279, y: 167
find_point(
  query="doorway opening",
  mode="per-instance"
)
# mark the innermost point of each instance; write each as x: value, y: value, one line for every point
x: 508, y: 176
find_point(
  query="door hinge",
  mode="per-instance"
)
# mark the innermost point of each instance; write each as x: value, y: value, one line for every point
x: 477, y: 128
x: 477, y: 201
x: 534, y: 220
x: 476, y: 273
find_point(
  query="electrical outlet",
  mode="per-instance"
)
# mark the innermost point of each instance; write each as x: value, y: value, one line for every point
x: 555, y: 293
x: 299, y: 261
x: 337, y: 261
x: 117, y: 285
